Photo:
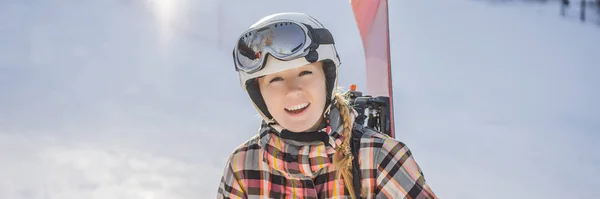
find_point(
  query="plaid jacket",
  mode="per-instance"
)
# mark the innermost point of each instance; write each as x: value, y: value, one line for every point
x: 268, y: 166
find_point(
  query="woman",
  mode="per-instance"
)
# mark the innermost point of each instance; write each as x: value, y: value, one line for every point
x: 307, y: 145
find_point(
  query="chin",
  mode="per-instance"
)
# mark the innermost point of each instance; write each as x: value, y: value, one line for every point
x: 295, y: 127
x: 300, y: 126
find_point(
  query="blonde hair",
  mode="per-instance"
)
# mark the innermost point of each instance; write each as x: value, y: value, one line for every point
x: 342, y: 160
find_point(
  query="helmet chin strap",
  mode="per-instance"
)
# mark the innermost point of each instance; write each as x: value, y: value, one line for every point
x: 309, y: 136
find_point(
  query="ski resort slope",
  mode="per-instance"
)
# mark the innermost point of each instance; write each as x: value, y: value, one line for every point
x: 497, y: 100
x: 494, y: 100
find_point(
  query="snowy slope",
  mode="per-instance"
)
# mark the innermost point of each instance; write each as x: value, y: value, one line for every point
x: 139, y: 103
x: 126, y: 104
x: 498, y: 101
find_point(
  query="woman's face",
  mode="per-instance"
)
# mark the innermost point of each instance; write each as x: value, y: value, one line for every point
x: 295, y: 97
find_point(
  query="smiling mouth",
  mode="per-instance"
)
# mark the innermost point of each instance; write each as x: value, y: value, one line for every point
x: 297, y: 109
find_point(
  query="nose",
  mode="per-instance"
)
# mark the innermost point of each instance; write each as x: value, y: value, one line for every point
x: 294, y: 87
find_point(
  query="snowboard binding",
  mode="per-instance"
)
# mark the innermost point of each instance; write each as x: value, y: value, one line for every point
x: 375, y: 111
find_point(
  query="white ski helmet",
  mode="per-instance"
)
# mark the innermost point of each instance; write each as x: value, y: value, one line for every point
x: 325, y: 53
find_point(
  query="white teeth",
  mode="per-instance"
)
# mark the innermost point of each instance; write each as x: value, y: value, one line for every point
x: 299, y: 106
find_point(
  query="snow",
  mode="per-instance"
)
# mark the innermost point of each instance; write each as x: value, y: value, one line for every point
x: 504, y: 95
x: 143, y: 102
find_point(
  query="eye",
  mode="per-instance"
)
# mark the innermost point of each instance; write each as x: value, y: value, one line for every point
x: 306, y: 72
x: 276, y: 79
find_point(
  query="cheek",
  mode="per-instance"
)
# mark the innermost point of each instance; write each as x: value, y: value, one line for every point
x: 318, y: 90
x: 271, y: 96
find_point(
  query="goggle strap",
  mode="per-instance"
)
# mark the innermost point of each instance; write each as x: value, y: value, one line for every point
x: 235, y: 62
x: 322, y: 36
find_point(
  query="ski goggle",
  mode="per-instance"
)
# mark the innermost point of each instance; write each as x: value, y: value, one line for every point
x: 284, y: 40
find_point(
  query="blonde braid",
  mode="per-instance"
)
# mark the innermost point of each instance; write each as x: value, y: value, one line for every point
x: 342, y: 160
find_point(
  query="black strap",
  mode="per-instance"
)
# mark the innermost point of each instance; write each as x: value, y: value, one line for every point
x: 309, y: 136
x: 354, y: 148
x: 322, y: 36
